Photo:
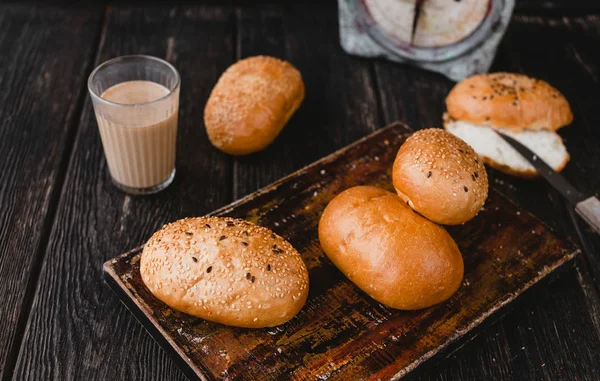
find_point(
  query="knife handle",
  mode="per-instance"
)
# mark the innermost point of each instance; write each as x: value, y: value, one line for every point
x: 589, y: 210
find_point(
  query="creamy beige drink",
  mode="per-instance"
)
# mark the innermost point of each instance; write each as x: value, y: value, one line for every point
x: 139, y: 139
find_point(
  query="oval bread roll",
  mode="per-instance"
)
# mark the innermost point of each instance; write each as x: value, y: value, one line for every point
x: 225, y: 270
x: 251, y: 103
x: 390, y: 252
x: 440, y: 176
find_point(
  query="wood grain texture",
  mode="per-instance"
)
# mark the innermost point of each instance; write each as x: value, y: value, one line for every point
x: 418, y: 97
x: 329, y: 118
x: 341, y: 333
x: 533, y: 5
x: 580, y: 6
x: 77, y: 329
x: 38, y: 108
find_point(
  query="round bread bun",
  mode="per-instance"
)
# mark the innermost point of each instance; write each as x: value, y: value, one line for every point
x: 251, y: 103
x: 225, y: 270
x: 393, y: 254
x: 511, y: 101
x: 440, y: 176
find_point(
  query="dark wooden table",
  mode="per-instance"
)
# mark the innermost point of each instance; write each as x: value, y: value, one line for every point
x: 61, y: 218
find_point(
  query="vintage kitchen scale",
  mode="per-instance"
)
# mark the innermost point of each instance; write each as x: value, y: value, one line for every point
x: 457, y: 38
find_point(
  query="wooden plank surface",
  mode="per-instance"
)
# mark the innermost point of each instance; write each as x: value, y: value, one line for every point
x: 418, y: 97
x: 77, y: 328
x: 341, y: 333
x: 38, y: 108
x: 579, y: 6
x: 76, y: 321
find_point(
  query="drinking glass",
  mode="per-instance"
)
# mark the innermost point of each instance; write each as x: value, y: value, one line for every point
x: 138, y: 137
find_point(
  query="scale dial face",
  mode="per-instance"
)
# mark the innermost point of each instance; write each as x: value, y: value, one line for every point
x: 394, y: 17
x: 446, y: 22
x: 428, y: 30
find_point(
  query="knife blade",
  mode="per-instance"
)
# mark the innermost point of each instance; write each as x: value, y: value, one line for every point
x: 561, y: 184
x: 587, y: 207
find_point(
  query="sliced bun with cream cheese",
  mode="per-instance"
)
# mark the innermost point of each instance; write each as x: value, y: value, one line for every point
x: 528, y: 109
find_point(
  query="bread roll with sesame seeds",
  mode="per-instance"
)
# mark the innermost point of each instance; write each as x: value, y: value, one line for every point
x: 398, y: 257
x: 225, y: 270
x: 251, y: 103
x: 440, y: 176
x: 511, y: 101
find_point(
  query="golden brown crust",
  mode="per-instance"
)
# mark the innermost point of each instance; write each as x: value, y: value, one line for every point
x: 507, y: 100
x: 392, y: 253
x: 225, y: 270
x: 251, y: 103
x: 440, y: 176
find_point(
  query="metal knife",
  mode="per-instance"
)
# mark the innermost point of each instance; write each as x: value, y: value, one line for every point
x: 587, y: 207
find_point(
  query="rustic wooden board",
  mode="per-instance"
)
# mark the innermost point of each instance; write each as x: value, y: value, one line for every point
x: 341, y: 333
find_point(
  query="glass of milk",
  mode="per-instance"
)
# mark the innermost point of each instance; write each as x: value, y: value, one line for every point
x: 136, y: 102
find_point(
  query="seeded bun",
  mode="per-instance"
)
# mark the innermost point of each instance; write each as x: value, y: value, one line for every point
x: 390, y: 252
x: 511, y: 101
x: 225, y: 270
x: 251, y: 103
x: 440, y: 176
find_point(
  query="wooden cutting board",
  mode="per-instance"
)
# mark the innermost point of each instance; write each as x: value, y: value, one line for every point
x: 341, y: 333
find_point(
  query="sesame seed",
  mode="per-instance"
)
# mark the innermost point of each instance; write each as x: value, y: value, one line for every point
x: 244, y: 243
x: 252, y: 279
x: 207, y: 226
x: 194, y: 259
x: 268, y: 267
x: 209, y: 269
x: 465, y: 188
x: 222, y: 238
x: 429, y: 174
x: 248, y: 275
